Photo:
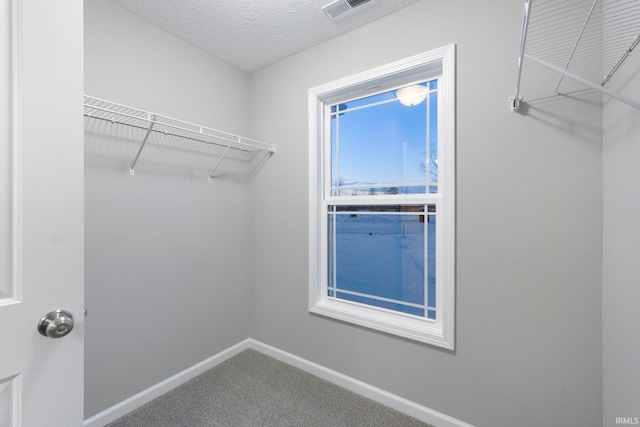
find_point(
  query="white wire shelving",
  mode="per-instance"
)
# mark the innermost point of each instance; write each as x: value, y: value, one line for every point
x: 572, y: 45
x: 100, y: 109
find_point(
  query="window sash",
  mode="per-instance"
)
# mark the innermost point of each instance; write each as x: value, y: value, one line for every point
x: 332, y: 153
x: 429, y: 253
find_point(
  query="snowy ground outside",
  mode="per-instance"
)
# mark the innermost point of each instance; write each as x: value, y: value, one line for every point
x: 383, y: 255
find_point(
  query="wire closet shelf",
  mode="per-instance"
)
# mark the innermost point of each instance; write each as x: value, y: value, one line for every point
x: 572, y: 45
x: 100, y: 109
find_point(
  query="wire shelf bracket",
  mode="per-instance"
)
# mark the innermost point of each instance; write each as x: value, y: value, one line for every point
x: 567, y: 38
x: 114, y: 113
x: 226, y: 150
x: 132, y: 169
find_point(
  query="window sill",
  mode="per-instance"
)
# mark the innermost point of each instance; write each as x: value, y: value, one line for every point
x: 411, y: 327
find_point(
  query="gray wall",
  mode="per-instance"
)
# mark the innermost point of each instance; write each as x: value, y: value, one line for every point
x: 620, y: 292
x: 166, y: 243
x: 167, y: 276
x: 529, y: 227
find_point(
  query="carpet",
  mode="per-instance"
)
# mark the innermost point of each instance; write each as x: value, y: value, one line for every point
x: 251, y: 390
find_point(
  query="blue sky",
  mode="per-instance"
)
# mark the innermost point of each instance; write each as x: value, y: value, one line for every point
x: 384, y: 144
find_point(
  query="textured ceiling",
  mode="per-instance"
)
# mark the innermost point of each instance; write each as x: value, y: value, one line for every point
x: 253, y: 33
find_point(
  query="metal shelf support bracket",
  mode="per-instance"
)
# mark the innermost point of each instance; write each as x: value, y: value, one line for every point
x: 226, y: 150
x: 132, y: 170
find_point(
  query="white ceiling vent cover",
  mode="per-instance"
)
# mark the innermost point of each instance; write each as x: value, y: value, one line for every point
x: 340, y: 7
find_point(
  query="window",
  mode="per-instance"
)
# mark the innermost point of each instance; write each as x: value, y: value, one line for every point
x: 382, y: 198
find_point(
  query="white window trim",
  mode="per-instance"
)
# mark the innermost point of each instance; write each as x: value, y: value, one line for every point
x: 441, y: 331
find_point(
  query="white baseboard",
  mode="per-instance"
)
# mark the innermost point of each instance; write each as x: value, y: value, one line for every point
x: 398, y: 403
x: 134, y: 402
x: 438, y: 419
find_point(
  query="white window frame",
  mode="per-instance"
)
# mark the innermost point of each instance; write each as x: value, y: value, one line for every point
x: 438, y: 332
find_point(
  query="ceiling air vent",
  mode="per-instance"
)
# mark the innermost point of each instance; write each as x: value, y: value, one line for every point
x: 340, y: 7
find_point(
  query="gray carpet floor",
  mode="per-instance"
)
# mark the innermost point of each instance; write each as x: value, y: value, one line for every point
x: 251, y: 389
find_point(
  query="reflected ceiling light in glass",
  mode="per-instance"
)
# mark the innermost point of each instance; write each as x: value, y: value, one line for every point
x: 411, y: 95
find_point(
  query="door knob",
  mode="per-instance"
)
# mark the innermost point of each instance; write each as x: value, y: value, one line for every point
x: 56, y: 324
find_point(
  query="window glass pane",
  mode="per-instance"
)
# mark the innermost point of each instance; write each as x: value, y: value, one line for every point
x: 381, y: 149
x: 380, y: 303
x: 334, y: 147
x: 383, y: 256
x: 431, y: 265
x: 432, y: 158
x: 330, y: 253
x: 346, y: 189
x: 386, y: 96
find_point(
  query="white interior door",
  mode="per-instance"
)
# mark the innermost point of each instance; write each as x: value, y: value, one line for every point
x: 41, y: 211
